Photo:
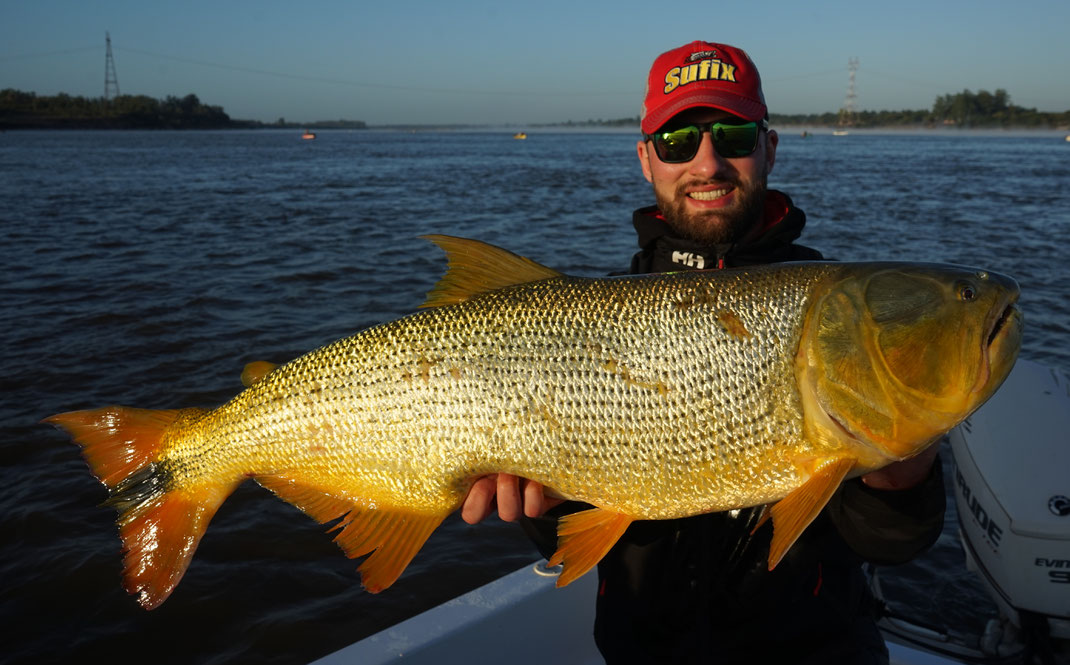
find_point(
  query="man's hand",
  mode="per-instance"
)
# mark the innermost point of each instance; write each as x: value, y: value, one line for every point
x: 514, y: 497
x: 903, y: 475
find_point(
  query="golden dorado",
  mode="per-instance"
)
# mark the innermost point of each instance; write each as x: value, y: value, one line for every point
x: 648, y: 397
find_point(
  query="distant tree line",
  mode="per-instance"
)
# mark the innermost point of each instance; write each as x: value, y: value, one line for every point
x: 965, y: 109
x: 23, y: 110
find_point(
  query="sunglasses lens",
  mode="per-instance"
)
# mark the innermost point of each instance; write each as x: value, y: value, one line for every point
x: 735, y: 140
x: 679, y: 145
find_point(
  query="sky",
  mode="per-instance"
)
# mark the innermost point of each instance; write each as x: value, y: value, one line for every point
x: 500, y: 62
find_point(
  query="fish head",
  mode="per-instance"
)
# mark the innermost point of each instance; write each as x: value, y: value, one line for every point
x: 895, y: 355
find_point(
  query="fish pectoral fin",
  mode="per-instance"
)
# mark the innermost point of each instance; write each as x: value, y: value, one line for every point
x: 792, y: 514
x: 392, y: 536
x: 476, y: 267
x: 584, y: 538
x: 255, y: 371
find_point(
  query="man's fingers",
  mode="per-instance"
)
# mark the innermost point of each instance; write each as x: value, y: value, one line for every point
x: 533, y: 499
x: 512, y: 496
x: 509, y: 503
x: 480, y: 500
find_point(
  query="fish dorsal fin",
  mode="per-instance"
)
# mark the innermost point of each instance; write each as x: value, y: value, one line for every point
x: 792, y: 514
x: 476, y: 267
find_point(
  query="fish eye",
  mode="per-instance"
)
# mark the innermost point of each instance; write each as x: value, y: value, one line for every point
x: 966, y: 291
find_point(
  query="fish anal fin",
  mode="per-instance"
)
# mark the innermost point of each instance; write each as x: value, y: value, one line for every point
x: 255, y: 371
x: 396, y: 537
x: 391, y: 536
x: 792, y: 514
x: 476, y: 267
x: 583, y: 539
x: 317, y: 503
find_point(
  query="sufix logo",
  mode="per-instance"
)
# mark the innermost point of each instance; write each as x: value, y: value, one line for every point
x: 990, y: 530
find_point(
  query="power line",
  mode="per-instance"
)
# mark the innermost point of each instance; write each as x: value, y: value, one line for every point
x: 48, y: 54
x: 364, y: 84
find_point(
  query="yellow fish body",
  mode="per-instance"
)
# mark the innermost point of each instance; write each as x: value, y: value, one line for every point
x: 648, y: 397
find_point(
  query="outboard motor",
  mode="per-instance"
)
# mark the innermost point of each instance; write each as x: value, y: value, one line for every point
x: 1012, y: 492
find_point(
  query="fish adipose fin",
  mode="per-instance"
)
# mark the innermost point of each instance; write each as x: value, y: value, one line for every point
x: 160, y: 524
x: 255, y: 372
x: 792, y: 514
x: 391, y: 536
x: 583, y: 539
x: 476, y: 267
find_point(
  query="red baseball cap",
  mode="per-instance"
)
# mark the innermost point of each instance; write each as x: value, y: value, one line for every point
x: 702, y: 74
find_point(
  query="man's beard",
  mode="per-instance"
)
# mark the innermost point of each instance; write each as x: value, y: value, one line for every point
x: 715, y: 227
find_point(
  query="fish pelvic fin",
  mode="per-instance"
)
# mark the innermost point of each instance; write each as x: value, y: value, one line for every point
x: 160, y: 523
x: 583, y: 539
x: 255, y: 371
x: 792, y: 514
x: 476, y: 267
x: 391, y: 536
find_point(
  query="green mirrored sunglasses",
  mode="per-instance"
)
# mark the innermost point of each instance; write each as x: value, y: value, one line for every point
x: 675, y: 146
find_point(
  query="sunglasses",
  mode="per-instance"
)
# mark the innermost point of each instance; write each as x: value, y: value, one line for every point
x: 675, y: 146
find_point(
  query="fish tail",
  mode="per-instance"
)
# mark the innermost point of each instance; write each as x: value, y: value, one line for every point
x: 160, y: 522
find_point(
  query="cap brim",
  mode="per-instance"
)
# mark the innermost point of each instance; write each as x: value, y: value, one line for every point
x: 748, y: 109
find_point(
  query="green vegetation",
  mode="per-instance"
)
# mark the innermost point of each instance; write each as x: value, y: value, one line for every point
x: 26, y: 110
x: 965, y: 109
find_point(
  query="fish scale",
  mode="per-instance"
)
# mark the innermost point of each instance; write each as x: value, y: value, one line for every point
x: 524, y: 377
x: 647, y: 397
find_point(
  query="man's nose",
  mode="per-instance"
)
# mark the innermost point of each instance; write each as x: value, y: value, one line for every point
x: 706, y: 161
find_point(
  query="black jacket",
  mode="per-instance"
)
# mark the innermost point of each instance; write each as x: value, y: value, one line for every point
x: 698, y: 589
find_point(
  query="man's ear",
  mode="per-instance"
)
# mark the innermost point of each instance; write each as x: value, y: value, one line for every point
x: 644, y: 160
x: 771, y: 141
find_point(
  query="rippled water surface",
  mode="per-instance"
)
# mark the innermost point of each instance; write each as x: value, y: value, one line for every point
x: 146, y: 268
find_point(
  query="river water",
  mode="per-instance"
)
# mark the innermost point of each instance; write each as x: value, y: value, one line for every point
x: 146, y: 268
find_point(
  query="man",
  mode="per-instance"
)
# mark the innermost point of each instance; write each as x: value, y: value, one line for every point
x: 698, y: 589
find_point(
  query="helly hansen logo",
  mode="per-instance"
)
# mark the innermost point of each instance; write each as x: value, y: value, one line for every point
x: 689, y: 259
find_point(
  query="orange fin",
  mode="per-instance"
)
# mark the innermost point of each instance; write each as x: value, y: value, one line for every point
x: 160, y: 536
x: 118, y: 440
x: 256, y: 371
x: 392, y: 536
x: 476, y: 267
x: 583, y: 539
x: 792, y: 514
x: 160, y: 524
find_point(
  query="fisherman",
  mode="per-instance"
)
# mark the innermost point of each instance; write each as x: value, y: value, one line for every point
x: 698, y: 589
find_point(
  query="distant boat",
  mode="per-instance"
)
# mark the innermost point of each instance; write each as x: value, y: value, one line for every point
x: 308, y: 136
x: 520, y: 135
x: 839, y: 132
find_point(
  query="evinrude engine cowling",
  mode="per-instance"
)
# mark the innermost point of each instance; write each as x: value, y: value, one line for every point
x: 1012, y: 492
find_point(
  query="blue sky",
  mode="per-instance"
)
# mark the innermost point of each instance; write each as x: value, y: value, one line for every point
x: 502, y: 62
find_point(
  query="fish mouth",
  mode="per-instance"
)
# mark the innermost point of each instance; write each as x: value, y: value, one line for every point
x: 1010, y: 314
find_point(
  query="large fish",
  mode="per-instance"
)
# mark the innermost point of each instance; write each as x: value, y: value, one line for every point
x: 648, y: 397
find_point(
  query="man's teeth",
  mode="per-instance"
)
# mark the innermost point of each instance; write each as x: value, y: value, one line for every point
x: 708, y: 196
